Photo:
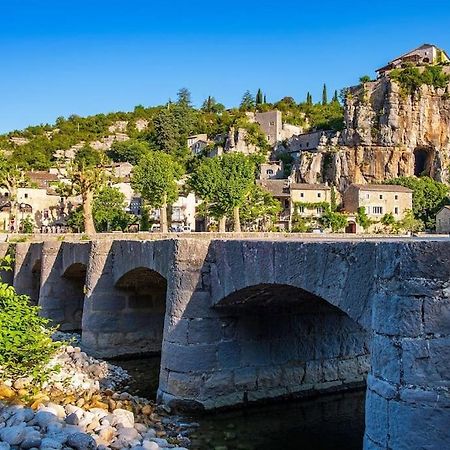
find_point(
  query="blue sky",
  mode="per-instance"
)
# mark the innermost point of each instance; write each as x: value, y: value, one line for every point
x: 62, y: 57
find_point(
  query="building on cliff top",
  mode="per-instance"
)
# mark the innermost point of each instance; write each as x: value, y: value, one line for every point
x: 425, y: 54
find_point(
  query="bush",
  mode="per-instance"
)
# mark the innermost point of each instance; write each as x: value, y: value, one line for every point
x: 25, y: 338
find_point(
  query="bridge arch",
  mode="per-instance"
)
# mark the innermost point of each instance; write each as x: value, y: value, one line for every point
x: 73, y: 280
x: 144, y: 306
x: 282, y: 340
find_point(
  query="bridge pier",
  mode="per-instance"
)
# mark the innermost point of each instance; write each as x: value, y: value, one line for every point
x: 408, y: 398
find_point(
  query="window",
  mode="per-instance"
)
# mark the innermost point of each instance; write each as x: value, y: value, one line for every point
x: 25, y: 195
x: 6, y: 194
x: 381, y: 196
x: 377, y: 210
x: 302, y: 194
x: 396, y: 197
x: 286, y: 204
x: 319, y: 210
x: 367, y: 195
x: 269, y: 172
x: 319, y: 194
x: 272, y: 124
x: 307, y: 144
x: 301, y: 209
x: 396, y: 210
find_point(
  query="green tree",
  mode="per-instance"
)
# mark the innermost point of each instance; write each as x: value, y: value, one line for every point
x: 184, y: 97
x: 86, y: 174
x: 363, y: 219
x: 309, y: 100
x: 11, y: 178
x: 364, y: 79
x: 155, y: 177
x: 26, y: 345
x: 247, y: 102
x: 166, y: 136
x: 334, y: 220
x: 260, y: 210
x: 324, y: 95
x: 335, y: 97
x: 429, y: 196
x: 259, y: 97
x: 224, y: 183
x: 410, y: 223
x: 210, y: 105
x: 128, y: 151
x: 109, y: 210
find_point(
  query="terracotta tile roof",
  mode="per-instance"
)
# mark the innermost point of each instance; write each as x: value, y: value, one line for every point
x: 278, y: 188
x: 381, y: 188
x: 309, y: 187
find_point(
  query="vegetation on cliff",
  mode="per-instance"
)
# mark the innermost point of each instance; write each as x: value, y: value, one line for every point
x: 411, y: 78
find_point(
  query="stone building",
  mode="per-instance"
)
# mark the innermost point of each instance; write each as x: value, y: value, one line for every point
x: 425, y: 54
x: 307, y: 199
x: 378, y: 200
x: 42, y: 205
x: 443, y: 220
x: 197, y: 143
x: 271, y: 170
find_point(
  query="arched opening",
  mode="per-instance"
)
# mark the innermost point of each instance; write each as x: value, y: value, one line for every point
x: 351, y: 227
x: 423, y: 161
x: 73, y: 302
x: 144, y: 307
x: 282, y: 341
x: 35, y: 282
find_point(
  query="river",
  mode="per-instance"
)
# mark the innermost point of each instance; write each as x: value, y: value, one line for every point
x: 328, y: 422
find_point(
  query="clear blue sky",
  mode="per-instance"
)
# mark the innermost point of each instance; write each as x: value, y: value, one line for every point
x: 87, y: 56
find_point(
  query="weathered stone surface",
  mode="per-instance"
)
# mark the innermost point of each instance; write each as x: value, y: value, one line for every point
x: 239, y: 320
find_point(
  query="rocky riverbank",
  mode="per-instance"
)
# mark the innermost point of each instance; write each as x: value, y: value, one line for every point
x: 83, y: 406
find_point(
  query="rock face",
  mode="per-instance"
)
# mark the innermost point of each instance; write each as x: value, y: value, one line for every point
x: 387, y: 134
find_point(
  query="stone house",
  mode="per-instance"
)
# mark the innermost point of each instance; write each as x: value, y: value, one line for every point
x: 443, y: 220
x: 425, y: 54
x: 307, y: 199
x: 42, y: 205
x: 197, y: 143
x: 378, y: 200
x: 271, y: 170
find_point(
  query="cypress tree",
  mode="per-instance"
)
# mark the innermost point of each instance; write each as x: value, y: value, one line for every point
x: 308, y: 99
x: 335, y: 97
x: 259, y: 97
x: 265, y: 99
x: 324, y: 95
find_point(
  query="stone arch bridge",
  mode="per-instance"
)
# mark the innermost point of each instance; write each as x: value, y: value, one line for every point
x: 238, y: 321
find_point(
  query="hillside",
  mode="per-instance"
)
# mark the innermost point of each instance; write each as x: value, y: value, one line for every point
x: 164, y: 127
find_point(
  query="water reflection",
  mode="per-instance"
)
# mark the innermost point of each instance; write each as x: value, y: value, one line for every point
x: 322, y: 423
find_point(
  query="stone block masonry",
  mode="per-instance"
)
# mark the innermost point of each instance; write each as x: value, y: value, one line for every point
x: 244, y: 320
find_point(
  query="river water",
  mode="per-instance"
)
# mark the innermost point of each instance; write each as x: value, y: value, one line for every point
x: 328, y: 422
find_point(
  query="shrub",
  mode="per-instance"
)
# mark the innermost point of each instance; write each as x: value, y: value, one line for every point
x: 25, y: 337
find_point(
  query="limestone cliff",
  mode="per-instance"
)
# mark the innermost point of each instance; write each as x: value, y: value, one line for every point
x: 387, y: 134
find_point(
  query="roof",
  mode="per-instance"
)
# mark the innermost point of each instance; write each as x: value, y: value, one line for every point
x: 447, y: 207
x: 309, y: 187
x: 42, y: 178
x: 421, y: 47
x: 278, y: 188
x: 381, y: 188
